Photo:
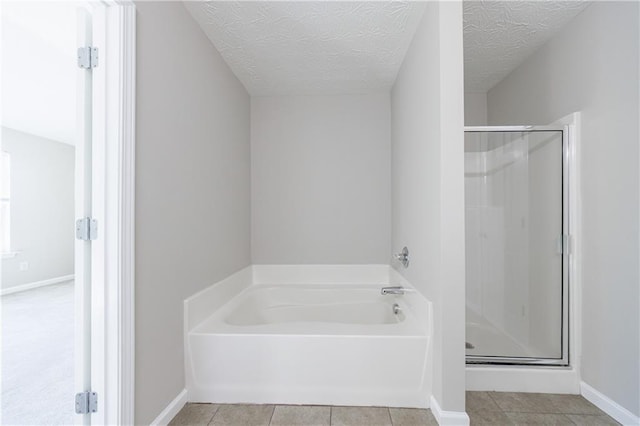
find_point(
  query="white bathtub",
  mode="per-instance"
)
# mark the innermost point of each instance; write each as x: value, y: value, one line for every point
x: 335, y: 343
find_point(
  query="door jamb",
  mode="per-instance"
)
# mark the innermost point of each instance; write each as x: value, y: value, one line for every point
x: 116, y: 107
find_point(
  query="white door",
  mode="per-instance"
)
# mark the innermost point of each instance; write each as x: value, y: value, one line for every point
x: 103, y: 318
x: 89, y: 249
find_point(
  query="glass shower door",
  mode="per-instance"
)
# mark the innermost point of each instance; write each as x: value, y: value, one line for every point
x: 516, y: 222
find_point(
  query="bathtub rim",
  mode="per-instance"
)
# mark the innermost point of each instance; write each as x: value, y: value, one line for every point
x: 216, y: 322
x: 196, y: 308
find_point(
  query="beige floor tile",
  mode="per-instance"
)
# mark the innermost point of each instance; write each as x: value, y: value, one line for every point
x: 488, y: 418
x: 524, y: 402
x: 546, y: 419
x: 301, y: 415
x: 195, y: 414
x: 360, y: 416
x: 573, y: 404
x: 412, y: 417
x: 243, y: 415
x: 480, y: 401
x: 587, y: 420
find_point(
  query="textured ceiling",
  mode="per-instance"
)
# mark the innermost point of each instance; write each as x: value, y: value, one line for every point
x: 500, y: 35
x: 310, y: 47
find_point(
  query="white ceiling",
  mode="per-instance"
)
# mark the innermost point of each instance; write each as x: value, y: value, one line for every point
x: 323, y: 47
x: 39, y: 69
x: 310, y: 47
x: 500, y: 35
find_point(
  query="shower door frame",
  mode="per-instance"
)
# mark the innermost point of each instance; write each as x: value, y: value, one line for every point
x: 566, y: 244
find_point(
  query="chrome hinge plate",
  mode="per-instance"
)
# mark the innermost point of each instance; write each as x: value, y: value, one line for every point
x: 87, y: 57
x: 86, y: 402
x: 86, y: 229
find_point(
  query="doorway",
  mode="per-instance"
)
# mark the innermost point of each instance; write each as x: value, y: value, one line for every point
x: 40, y: 146
x: 85, y: 334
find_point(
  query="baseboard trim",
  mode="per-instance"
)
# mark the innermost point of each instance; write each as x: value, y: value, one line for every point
x: 307, y: 396
x: 171, y: 410
x: 448, y: 418
x: 31, y: 286
x: 609, y: 406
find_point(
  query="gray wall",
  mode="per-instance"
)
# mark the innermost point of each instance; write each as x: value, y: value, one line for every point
x: 592, y: 67
x: 475, y: 109
x: 192, y: 188
x: 427, y: 185
x: 320, y: 179
x: 42, y: 208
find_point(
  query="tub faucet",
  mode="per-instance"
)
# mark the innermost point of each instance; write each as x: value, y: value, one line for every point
x: 393, y: 290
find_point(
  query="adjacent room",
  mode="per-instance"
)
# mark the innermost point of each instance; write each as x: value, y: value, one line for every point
x: 37, y: 284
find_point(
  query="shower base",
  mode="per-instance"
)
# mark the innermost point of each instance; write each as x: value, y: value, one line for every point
x: 487, y: 340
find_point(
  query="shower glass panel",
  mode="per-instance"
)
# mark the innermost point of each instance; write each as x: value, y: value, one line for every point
x: 516, y: 272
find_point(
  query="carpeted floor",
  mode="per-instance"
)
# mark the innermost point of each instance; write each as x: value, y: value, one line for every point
x: 37, y: 356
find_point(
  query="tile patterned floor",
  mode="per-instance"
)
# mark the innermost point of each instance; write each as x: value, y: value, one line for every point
x: 506, y: 408
x: 484, y: 408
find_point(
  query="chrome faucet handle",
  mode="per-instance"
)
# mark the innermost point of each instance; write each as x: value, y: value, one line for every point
x: 393, y: 290
x: 396, y: 289
x: 403, y: 257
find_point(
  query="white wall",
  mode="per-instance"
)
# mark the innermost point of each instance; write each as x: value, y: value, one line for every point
x: 592, y: 67
x: 475, y: 109
x: 192, y: 188
x: 320, y: 179
x: 49, y: 28
x: 42, y: 208
x: 427, y: 119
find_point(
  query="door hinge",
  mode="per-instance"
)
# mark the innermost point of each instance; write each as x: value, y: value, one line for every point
x: 86, y: 402
x: 87, y: 57
x: 564, y: 244
x: 86, y: 229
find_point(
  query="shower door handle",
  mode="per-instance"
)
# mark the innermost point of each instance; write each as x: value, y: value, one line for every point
x: 563, y: 244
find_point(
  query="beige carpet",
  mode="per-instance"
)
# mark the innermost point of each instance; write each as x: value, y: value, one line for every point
x: 37, y: 356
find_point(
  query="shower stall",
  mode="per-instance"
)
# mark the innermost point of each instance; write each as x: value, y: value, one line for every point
x: 516, y: 201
